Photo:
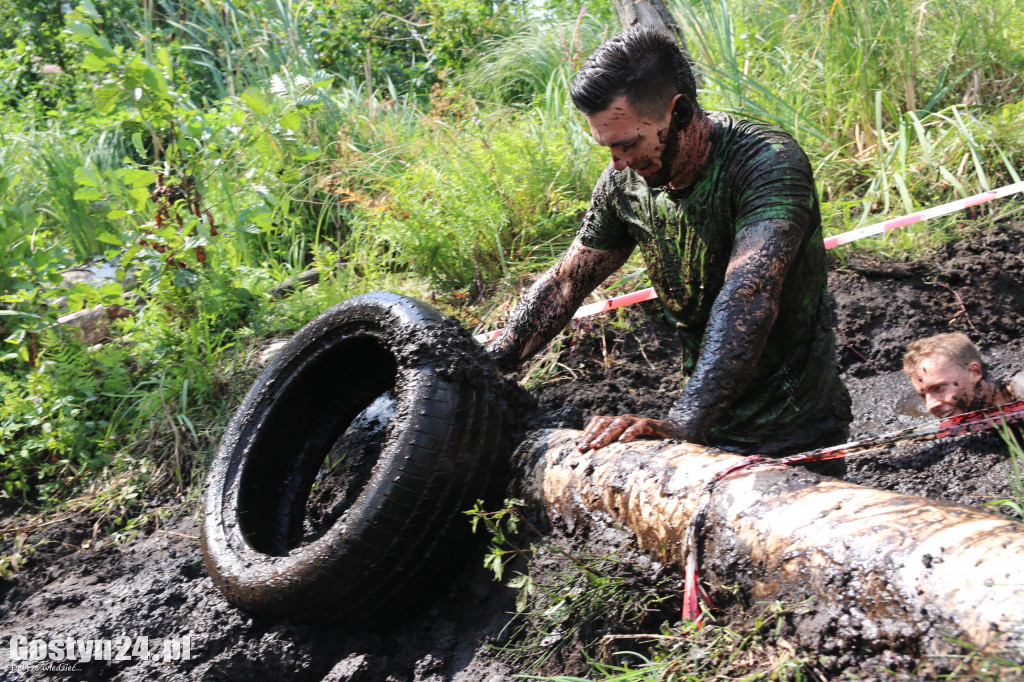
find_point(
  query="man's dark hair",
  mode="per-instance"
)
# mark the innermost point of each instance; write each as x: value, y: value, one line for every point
x: 645, y: 65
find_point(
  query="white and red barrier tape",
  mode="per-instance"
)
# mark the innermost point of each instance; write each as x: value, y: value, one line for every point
x: 928, y: 213
x: 830, y: 242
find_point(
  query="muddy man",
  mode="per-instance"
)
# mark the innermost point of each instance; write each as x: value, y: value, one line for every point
x: 948, y: 374
x: 725, y: 213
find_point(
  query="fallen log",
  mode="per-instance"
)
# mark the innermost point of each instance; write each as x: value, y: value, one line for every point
x: 882, y: 570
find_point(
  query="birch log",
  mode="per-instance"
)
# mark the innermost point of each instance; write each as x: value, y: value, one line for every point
x: 882, y: 570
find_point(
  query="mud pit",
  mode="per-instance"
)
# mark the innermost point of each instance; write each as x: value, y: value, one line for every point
x: 155, y: 584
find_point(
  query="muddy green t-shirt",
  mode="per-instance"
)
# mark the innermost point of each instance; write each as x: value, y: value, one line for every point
x: 755, y: 172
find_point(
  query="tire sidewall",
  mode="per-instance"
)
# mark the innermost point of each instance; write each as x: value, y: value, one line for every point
x: 298, y: 582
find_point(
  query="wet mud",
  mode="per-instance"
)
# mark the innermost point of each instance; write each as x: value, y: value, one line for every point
x: 153, y: 582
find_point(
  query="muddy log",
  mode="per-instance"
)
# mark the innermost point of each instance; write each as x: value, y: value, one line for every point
x: 882, y: 571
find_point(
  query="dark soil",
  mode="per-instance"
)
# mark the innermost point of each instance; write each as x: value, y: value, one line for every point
x: 154, y: 584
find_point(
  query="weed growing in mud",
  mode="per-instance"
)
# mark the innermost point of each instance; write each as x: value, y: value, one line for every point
x: 688, y: 652
x: 15, y: 554
x: 576, y: 608
x: 571, y: 607
x: 1013, y: 506
x: 503, y: 525
x: 981, y: 664
x: 568, y: 600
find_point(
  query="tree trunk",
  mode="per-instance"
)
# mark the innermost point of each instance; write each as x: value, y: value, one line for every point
x: 883, y: 571
x: 653, y: 13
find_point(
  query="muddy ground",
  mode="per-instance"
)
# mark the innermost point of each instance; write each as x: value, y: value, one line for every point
x: 154, y: 584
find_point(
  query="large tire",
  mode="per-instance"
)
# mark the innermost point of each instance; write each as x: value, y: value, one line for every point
x: 451, y: 430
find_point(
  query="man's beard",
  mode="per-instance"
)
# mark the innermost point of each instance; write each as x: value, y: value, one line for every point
x: 669, y: 153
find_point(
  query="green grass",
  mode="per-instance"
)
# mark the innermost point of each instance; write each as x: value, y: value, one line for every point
x: 459, y: 196
x: 900, y: 105
x: 466, y: 190
x: 1013, y: 506
x: 753, y: 648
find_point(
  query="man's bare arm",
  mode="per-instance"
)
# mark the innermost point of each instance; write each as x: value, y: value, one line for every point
x: 550, y: 303
x: 740, y: 322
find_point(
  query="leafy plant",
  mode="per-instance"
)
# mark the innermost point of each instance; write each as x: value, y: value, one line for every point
x: 874, y: 91
x: 53, y: 426
x: 502, y: 525
x: 1013, y: 506
x: 755, y: 650
x: 585, y: 595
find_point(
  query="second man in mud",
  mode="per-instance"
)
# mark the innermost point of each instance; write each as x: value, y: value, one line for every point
x: 725, y: 213
x: 948, y: 374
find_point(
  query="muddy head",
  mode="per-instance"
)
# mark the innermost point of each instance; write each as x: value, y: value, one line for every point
x: 946, y: 371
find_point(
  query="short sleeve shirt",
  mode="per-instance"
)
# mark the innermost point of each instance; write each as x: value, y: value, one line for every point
x: 755, y: 172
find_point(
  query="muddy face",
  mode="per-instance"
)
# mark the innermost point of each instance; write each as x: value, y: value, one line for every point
x: 656, y: 148
x: 949, y: 389
x: 636, y: 142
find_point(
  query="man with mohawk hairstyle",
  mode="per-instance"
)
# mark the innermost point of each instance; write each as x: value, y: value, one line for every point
x: 726, y: 215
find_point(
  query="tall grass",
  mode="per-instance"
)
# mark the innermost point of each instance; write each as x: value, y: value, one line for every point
x: 1013, y: 506
x: 519, y: 68
x: 480, y: 194
x: 233, y: 45
x: 899, y: 104
x: 19, y: 221
x: 464, y: 193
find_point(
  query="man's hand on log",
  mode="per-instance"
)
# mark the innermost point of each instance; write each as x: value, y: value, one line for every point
x: 603, y: 430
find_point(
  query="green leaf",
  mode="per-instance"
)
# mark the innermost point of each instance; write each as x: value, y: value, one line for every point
x: 93, y: 62
x: 80, y: 29
x: 306, y: 153
x: 107, y: 98
x: 254, y: 99
x: 89, y: 9
x: 137, y: 143
x: 88, y: 176
x: 106, y: 237
x: 163, y: 57
x: 141, y: 196
x: 88, y: 194
x: 155, y: 81
x: 291, y: 120
x: 110, y: 289
x: 126, y: 260
x: 102, y: 47
x: 134, y: 73
x: 136, y: 177
x: 117, y: 214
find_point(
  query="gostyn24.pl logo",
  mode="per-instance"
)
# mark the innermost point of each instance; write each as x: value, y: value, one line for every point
x: 122, y: 648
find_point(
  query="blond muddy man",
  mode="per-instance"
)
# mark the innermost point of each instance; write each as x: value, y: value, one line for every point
x: 948, y: 374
